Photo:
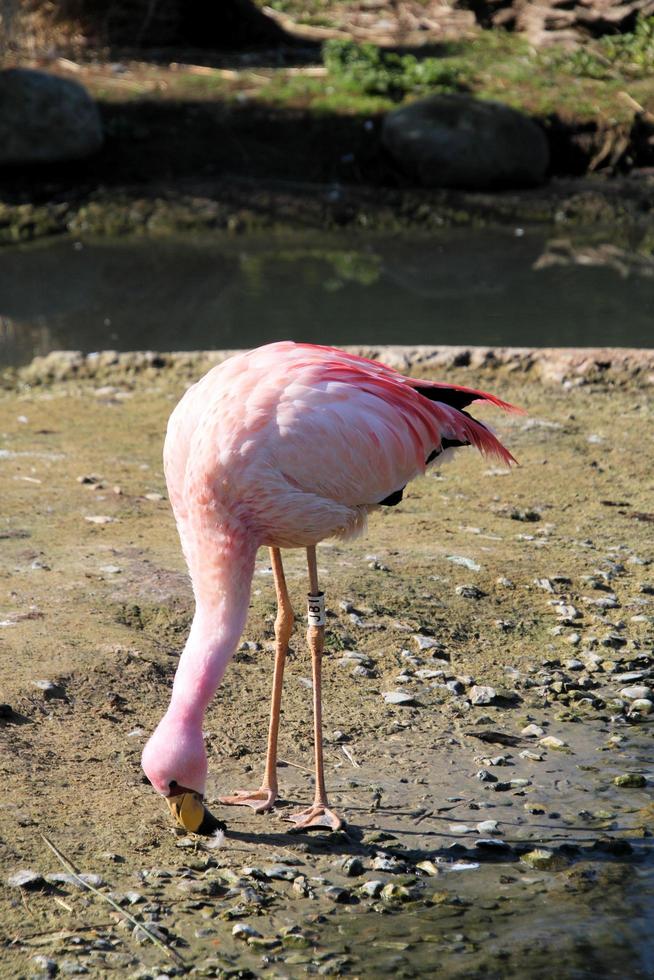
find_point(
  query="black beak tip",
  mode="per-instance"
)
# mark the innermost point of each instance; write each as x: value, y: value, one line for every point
x: 210, y: 824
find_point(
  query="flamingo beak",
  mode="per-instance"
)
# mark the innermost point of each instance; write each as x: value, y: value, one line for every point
x: 189, y: 812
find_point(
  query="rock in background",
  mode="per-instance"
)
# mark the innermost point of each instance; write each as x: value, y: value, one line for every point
x: 460, y: 141
x: 560, y: 21
x: 44, y: 119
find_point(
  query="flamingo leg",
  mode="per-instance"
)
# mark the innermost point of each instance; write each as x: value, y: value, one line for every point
x: 318, y: 815
x: 263, y: 799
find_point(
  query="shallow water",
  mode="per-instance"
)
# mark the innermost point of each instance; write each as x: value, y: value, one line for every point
x: 463, y: 287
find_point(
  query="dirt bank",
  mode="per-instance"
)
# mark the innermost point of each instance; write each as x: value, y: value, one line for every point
x: 536, y: 583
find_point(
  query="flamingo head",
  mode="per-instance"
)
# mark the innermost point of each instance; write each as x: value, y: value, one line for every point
x: 175, y: 762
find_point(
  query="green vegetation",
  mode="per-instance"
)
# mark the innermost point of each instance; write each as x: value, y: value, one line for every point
x: 626, y: 55
x: 370, y: 69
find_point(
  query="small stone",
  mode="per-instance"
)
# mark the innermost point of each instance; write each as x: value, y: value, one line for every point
x: 532, y: 756
x: 398, y: 698
x: 243, y: 931
x: 389, y: 864
x: 544, y: 583
x: 280, y: 872
x: 568, y: 612
x: 460, y: 828
x: 487, y: 827
x: 532, y: 731
x: 542, y: 859
x: 466, y: 562
x: 352, y: 867
x: 426, y: 642
x: 641, y: 706
x: 393, y: 892
x: 429, y: 867
x: 51, y: 691
x: 335, y: 894
x: 484, y: 776
x: 371, y: 888
x: 482, y: 695
x: 574, y: 665
x: 26, y: 878
x: 551, y: 742
x: 134, y: 898
x: 100, y: 519
x: 630, y: 780
x: 154, y: 497
x: 45, y: 965
x: 470, y: 592
x: 636, y: 693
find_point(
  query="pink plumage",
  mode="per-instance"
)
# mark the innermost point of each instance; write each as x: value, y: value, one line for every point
x: 284, y: 446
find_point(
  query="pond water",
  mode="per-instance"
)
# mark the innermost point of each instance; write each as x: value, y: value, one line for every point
x: 510, y: 287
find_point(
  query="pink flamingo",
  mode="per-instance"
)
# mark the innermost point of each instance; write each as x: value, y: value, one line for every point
x: 283, y: 446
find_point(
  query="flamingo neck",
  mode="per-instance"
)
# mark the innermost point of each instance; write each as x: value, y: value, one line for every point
x: 222, y: 567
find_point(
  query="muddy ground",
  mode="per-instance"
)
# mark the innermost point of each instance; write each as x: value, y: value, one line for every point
x: 537, y: 583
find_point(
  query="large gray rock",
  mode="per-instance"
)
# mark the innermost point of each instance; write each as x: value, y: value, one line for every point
x: 460, y: 141
x: 45, y: 119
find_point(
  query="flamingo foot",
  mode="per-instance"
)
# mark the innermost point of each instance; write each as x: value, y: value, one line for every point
x: 261, y: 800
x: 317, y: 816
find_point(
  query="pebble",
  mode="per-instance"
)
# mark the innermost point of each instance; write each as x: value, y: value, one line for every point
x: 51, y: 691
x: 636, y: 693
x: 352, y: 867
x: 396, y: 893
x: 100, y: 519
x: 532, y: 756
x: 371, y: 888
x: 280, y: 872
x: 45, y: 965
x: 630, y: 780
x: 632, y: 675
x: 484, y: 776
x: 551, y: 742
x: 336, y: 894
x: 532, y: 731
x: 243, y: 931
x: 568, y: 612
x: 390, y: 864
x: 641, y: 706
x: 398, y: 698
x: 470, y: 592
x: 429, y: 867
x: 487, y: 827
x: 426, y: 642
x: 542, y: 860
x: 466, y: 562
x: 482, y: 695
x: 26, y: 878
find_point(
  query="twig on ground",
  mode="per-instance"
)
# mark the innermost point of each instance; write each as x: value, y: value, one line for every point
x: 70, y: 867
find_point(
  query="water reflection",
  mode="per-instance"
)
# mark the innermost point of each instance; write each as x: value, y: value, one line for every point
x: 463, y: 287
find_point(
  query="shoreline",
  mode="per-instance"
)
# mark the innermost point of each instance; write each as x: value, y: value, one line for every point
x: 237, y: 207
x: 567, y: 366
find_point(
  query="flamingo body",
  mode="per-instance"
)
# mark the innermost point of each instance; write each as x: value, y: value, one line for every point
x: 283, y: 446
